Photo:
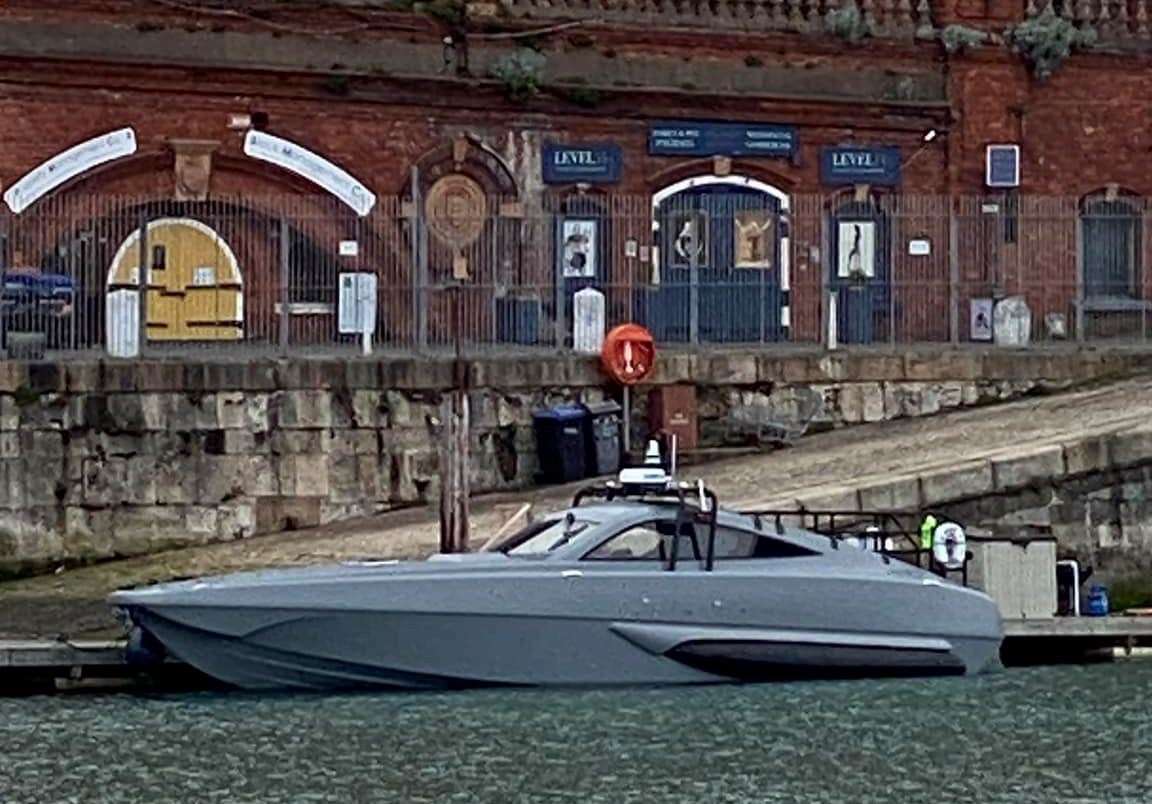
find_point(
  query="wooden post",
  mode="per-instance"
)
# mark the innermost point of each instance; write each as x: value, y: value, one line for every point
x: 454, y: 451
x: 454, y: 482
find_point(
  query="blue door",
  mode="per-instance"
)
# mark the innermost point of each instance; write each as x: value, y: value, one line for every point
x: 860, y: 272
x: 719, y: 251
x: 1111, y: 236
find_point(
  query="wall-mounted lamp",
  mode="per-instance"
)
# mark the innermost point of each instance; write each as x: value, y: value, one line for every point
x: 930, y: 135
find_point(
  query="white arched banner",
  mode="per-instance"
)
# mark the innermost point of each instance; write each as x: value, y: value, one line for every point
x: 313, y: 167
x: 67, y: 165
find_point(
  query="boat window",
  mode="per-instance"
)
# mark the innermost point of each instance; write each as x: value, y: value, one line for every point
x: 735, y: 543
x: 648, y: 541
x: 637, y: 542
x: 546, y: 535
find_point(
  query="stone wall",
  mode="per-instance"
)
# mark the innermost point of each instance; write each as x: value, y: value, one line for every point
x: 107, y: 459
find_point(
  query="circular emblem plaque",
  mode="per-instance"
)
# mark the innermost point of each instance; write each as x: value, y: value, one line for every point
x: 455, y: 210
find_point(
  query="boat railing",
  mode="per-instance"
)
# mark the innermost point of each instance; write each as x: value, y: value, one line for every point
x: 894, y: 534
x: 695, y: 504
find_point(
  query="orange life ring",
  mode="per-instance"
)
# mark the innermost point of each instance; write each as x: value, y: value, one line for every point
x: 629, y: 353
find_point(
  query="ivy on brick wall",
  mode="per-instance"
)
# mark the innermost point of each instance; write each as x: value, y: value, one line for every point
x: 958, y: 38
x: 520, y: 71
x: 1046, y: 40
x: 848, y: 22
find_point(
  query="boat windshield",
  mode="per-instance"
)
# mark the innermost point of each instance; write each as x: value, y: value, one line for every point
x: 546, y: 536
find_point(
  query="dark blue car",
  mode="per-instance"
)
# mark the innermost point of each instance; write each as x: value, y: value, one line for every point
x: 37, y: 303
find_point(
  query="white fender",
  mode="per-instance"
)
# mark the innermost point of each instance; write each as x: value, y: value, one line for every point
x: 949, y: 545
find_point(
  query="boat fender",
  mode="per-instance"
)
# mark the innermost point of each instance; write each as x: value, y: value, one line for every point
x: 949, y: 545
x: 143, y: 649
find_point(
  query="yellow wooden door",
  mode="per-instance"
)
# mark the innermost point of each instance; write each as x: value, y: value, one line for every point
x: 195, y: 291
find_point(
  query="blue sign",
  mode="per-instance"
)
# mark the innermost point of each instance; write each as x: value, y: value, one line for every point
x: 721, y: 139
x: 1002, y: 168
x: 576, y: 164
x: 851, y: 165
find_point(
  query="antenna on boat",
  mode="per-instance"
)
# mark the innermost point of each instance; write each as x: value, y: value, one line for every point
x: 672, y: 457
x: 650, y: 477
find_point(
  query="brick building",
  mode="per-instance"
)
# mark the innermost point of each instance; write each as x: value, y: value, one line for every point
x: 716, y: 169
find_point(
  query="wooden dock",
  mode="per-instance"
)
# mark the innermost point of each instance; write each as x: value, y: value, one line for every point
x: 38, y: 666
x: 1055, y: 640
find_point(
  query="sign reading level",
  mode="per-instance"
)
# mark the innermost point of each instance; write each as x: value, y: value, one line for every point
x: 721, y: 139
x: 576, y: 164
x: 848, y: 165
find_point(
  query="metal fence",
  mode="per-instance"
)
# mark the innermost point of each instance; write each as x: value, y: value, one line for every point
x: 718, y: 264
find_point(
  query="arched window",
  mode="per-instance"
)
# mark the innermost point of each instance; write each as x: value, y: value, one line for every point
x: 1110, y: 247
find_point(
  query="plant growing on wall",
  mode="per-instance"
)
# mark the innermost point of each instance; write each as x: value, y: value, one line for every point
x: 848, y: 22
x: 958, y: 38
x: 520, y: 72
x: 1046, y: 40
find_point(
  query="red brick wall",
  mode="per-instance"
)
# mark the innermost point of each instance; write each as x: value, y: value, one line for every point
x: 1086, y: 128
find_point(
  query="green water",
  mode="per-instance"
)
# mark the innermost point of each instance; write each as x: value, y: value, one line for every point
x: 1057, y: 734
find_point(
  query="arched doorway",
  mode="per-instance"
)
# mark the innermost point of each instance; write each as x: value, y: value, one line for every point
x: 723, y: 270
x: 195, y: 289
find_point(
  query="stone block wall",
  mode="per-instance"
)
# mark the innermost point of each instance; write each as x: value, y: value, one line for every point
x: 107, y: 459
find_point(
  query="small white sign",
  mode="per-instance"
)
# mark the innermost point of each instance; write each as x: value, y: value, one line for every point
x: 588, y: 321
x: 205, y: 276
x: 920, y: 247
x: 357, y: 313
x: 631, y: 248
x: 349, y: 248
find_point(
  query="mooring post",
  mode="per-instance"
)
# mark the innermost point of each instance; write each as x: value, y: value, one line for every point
x: 454, y: 449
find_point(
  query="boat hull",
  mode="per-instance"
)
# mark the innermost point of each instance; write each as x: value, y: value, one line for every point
x: 611, y: 629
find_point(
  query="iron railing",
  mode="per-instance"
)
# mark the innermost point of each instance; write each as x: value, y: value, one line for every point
x: 301, y: 274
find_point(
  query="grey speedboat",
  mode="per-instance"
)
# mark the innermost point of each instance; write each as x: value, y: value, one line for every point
x: 636, y: 583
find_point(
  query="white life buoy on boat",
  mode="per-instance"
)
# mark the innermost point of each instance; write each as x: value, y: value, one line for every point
x: 949, y: 545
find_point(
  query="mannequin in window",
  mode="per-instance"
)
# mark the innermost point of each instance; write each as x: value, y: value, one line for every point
x: 856, y: 253
x: 753, y: 240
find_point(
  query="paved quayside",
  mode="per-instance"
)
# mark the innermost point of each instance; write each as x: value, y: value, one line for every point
x: 911, y: 462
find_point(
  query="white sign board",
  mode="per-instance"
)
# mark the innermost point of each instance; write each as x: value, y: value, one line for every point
x: 122, y: 317
x: 357, y: 313
x: 921, y: 247
x: 67, y: 165
x: 313, y: 167
x: 1012, y: 322
x: 349, y: 248
x: 588, y: 321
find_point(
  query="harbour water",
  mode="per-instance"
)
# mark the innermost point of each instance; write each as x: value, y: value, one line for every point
x: 1052, y: 734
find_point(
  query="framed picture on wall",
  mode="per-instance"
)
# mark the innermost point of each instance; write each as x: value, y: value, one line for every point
x: 755, y: 238
x: 980, y: 319
x: 856, y: 249
x: 689, y: 238
x: 578, y: 248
